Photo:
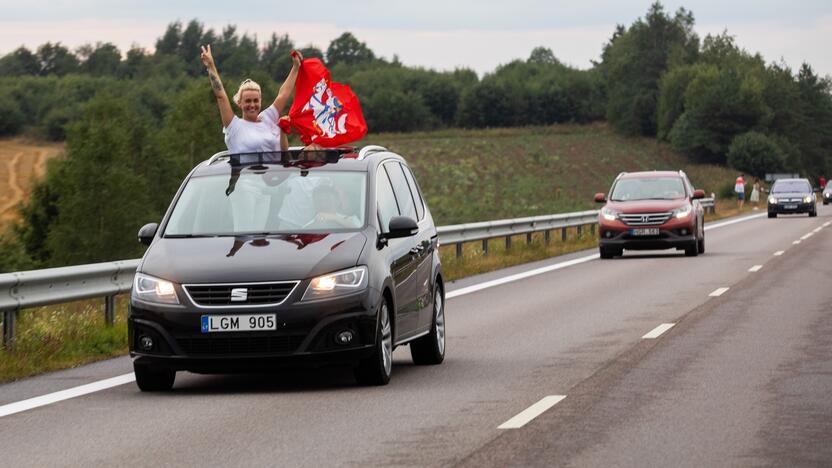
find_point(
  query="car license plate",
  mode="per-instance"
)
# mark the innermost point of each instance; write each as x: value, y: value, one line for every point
x: 232, y: 323
x: 789, y: 207
x: 644, y: 232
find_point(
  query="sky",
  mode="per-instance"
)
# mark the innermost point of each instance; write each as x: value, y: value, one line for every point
x: 439, y: 34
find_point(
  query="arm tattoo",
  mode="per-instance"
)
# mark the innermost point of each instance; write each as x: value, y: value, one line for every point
x: 215, y: 83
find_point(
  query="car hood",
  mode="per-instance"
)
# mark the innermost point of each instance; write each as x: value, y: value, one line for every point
x: 647, y: 206
x: 251, y: 258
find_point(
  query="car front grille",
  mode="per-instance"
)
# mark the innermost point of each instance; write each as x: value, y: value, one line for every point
x: 645, y: 219
x: 253, y: 294
x: 214, y: 345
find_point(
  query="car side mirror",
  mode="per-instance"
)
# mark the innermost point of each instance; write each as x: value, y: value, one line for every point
x: 402, y: 226
x: 148, y: 232
x: 600, y: 198
x: 698, y: 194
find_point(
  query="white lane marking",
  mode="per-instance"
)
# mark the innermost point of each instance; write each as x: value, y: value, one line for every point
x: 62, y: 395
x: 718, y: 292
x: 779, y: 253
x: 734, y: 221
x: 796, y: 242
x: 519, y: 276
x: 806, y: 236
x: 531, y: 412
x: 827, y: 223
x: 817, y: 229
x: 755, y: 268
x: 657, y: 332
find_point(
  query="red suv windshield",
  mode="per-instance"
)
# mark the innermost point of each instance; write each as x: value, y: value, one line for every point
x: 648, y: 188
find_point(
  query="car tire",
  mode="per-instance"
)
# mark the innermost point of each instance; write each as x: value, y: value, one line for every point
x: 692, y: 250
x: 605, y: 253
x: 430, y: 349
x: 813, y: 213
x: 700, y: 245
x: 376, y: 369
x: 772, y: 215
x: 149, y: 379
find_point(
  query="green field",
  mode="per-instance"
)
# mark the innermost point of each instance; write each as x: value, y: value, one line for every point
x: 480, y: 175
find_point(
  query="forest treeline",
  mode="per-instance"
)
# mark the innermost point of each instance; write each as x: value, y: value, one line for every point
x: 136, y: 122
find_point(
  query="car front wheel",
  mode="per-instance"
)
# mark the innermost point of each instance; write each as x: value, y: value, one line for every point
x: 153, y: 380
x: 430, y: 349
x: 376, y: 369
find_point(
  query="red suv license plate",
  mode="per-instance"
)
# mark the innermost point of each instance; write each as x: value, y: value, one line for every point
x: 644, y: 232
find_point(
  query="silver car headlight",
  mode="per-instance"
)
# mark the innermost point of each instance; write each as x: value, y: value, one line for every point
x: 683, y: 211
x: 150, y: 289
x: 609, y: 214
x: 808, y: 199
x: 336, y: 284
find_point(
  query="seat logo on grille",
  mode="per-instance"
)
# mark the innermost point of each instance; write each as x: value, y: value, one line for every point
x: 239, y: 294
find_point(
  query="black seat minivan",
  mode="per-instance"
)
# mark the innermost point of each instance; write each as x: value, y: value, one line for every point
x: 295, y: 257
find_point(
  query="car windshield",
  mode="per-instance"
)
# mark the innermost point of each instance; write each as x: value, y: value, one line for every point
x: 253, y: 201
x: 648, y: 188
x: 791, y: 186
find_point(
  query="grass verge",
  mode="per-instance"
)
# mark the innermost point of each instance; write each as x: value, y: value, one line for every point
x: 64, y: 336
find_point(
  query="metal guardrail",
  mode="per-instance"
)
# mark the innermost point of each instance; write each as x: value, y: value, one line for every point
x: 35, y: 288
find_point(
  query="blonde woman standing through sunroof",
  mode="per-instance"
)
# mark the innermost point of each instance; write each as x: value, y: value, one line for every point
x: 254, y: 131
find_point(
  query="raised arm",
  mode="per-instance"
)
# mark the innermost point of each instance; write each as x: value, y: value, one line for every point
x: 216, y: 84
x: 288, y: 85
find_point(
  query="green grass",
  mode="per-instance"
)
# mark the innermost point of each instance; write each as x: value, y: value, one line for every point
x: 466, y: 175
x: 481, y: 175
x: 63, y: 336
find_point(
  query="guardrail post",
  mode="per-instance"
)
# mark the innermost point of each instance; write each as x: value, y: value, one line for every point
x: 546, y: 236
x: 458, y: 249
x: 109, y: 310
x: 563, y: 234
x: 508, y: 242
x: 8, y: 328
x: 528, y: 238
x: 485, y: 246
x: 592, y: 230
x: 580, y: 231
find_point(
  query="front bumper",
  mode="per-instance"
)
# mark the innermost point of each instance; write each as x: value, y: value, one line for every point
x: 675, y: 233
x: 786, y: 208
x: 305, y: 335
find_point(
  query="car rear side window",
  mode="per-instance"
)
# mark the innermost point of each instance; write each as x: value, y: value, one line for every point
x: 387, y: 207
x: 414, y: 189
x: 403, y: 196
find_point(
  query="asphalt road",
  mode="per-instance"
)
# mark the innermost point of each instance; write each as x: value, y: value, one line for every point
x: 740, y: 379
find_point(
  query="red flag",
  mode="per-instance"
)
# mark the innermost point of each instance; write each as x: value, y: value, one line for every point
x: 324, y: 112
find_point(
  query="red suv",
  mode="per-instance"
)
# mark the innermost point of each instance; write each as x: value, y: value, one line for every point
x: 651, y: 210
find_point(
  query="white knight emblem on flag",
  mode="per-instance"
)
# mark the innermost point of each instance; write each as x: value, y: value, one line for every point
x: 326, y: 114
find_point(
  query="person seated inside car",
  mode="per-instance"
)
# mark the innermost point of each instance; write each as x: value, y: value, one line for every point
x: 328, y: 210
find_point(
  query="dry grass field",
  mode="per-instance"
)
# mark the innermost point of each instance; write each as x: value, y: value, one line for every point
x: 22, y: 162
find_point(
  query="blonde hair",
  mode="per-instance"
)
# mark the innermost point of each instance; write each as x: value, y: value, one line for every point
x: 246, y: 85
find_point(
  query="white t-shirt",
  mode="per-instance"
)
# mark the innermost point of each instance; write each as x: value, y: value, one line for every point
x: 242, y: 136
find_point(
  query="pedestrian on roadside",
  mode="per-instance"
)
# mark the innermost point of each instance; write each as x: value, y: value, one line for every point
x: 755, y: 193
x: 739, y: 188
x: 822, y: 183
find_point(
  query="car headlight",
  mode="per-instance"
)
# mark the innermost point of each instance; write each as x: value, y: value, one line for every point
x: 337, y: 284
x: 772, y: 200
x: 150, y: 289
x: 808, y: 199
x: 683, y: 211
x: 609, y: 214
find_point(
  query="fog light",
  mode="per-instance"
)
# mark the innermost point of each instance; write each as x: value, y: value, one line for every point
x: 608, y: 234
x: 146, y: 342
x: 345, y: 337
x: 684, y: 232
